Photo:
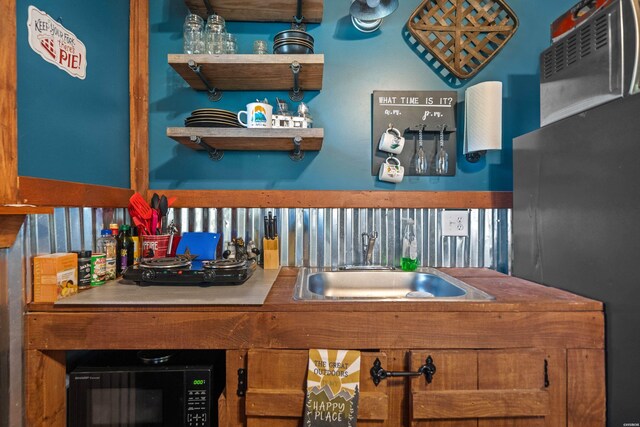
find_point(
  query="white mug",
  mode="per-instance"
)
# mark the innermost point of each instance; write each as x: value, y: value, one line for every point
x: 258, y: 115
x: 391, y: 172
x: 391, y: 141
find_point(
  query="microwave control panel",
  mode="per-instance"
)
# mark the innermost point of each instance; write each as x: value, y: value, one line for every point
x: 198, y: 384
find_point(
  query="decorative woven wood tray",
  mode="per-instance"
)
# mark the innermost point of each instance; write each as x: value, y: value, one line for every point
x: 464, y: 35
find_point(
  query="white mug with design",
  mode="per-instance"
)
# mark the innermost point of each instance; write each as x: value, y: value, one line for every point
x: 391, y: 141
x: 258, y: 114
x: 391, y: 170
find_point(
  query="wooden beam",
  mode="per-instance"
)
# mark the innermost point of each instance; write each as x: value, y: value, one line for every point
x: 477, y: 330
x: 340, y: 199
x: 46, y: 397
x: 139, y: 94
x: 455, y: 404
x: 8, y: 104
x: 586, y: 388
x: 9, y: 228
x: 25, y: 210
x: 49, y: 192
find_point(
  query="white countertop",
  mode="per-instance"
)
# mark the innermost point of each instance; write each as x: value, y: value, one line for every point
x: 122, y: 292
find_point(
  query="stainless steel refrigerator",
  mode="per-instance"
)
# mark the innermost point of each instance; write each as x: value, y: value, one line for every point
x: 576, y: 226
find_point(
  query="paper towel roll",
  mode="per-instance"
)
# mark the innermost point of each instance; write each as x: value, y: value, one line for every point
x: 483, y: 117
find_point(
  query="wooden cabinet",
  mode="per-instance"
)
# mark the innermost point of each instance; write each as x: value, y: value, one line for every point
x: 489, y: 388
x: 483, y: 388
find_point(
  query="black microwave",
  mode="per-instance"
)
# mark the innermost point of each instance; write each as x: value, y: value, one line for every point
x: 141, y: 396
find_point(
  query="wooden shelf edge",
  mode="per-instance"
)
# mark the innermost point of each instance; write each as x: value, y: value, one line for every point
x: 242, y: 72
x: 340, y: 199
x: 226, y: 139
x: 257, y: 11
x: 25, y: 210
x: 50, y: 192
x: 245, y: 59
x: 9, y: 228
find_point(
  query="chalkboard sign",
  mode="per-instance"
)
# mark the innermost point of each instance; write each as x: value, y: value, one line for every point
x: 409, y: 111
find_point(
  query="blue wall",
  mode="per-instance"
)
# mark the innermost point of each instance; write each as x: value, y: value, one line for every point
x: 72, y: 129
x: 354, y: 68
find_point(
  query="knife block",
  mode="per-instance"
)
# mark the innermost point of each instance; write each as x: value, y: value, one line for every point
x: 270, y: 254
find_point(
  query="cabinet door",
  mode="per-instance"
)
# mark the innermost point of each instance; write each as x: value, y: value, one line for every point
x: 489, y: 388
x: 276, y: 384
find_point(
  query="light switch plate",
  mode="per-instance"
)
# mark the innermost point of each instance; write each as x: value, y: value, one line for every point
x: 455, y: 223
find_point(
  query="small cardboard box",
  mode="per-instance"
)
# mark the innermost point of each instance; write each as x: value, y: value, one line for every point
x: 55, y: 276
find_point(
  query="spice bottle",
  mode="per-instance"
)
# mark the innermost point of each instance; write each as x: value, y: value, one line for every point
x: 84, y: 269
x: 107, y: 245
x: 125, y: 250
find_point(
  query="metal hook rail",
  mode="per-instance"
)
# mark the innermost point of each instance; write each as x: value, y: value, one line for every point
x: 214, y: 94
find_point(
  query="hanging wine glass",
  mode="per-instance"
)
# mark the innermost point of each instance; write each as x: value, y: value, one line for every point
x: 421, y: 159
x: 442, y: 158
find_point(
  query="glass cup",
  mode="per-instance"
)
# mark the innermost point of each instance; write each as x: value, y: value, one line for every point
x: 213, y: 30
x: 215, y: 44
x: 193, y: 34
x: 216, y: 24
x: 260, y: 47
x: 230, y: 43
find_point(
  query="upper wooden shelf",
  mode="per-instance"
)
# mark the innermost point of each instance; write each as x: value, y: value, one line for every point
x: 261, y: 11
x: 25, y: 210
x: 278, y: 139
x: 250, y: 72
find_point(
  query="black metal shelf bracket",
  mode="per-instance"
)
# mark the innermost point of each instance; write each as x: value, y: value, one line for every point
x: 378, y: 373
x: 214, y: 94
x: 207, y: 4
x: 214, y: 153
x: 296, y: 94
x: 297, y: 154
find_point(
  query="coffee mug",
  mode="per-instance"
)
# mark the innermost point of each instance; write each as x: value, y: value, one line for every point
x: 391, y: 141
x: 258, y: 115
x: 391, y: 172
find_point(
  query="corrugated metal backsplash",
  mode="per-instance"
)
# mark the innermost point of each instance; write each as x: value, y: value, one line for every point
x: 311, y: 237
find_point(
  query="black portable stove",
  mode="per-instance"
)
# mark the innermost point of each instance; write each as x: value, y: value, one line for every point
x: 183, y: 270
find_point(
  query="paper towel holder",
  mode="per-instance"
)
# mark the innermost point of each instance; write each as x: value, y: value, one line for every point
x: 475, y: 156
x: 483, y: 120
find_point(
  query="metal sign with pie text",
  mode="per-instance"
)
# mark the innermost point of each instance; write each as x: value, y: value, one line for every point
x: 56, y: 44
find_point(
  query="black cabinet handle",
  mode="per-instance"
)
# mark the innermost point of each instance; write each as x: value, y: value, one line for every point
x: 378, y: 373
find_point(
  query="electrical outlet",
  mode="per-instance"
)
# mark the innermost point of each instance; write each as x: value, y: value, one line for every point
x: 455, y: 223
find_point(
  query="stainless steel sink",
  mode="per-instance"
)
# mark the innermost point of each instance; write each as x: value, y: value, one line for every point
x: 366, y: 285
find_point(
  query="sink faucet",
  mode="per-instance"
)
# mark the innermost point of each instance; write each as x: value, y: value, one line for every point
x: 368, y: 242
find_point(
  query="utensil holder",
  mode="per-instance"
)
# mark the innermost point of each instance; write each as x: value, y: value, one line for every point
x: 270, y: 254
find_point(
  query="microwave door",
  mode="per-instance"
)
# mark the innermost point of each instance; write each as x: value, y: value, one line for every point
x: 131, y: 399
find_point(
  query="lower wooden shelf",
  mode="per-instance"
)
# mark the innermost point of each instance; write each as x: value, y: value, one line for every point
x: 277, y: 139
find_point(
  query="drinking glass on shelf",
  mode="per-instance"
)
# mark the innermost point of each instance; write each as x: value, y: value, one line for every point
x: 260, y: 47
x: 193, y: 34
x: 214, y: 28
x: 230, y: 43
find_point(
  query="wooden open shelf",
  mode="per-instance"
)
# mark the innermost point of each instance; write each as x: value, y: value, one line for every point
x: 261, y: 11
x: 242, y: 139
x: 250, y: 72
x: 25, y: 210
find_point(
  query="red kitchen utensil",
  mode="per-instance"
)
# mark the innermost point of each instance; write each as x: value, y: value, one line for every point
x: 141, y: 206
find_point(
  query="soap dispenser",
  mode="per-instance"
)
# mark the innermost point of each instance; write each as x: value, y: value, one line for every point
x: 409, y: 261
